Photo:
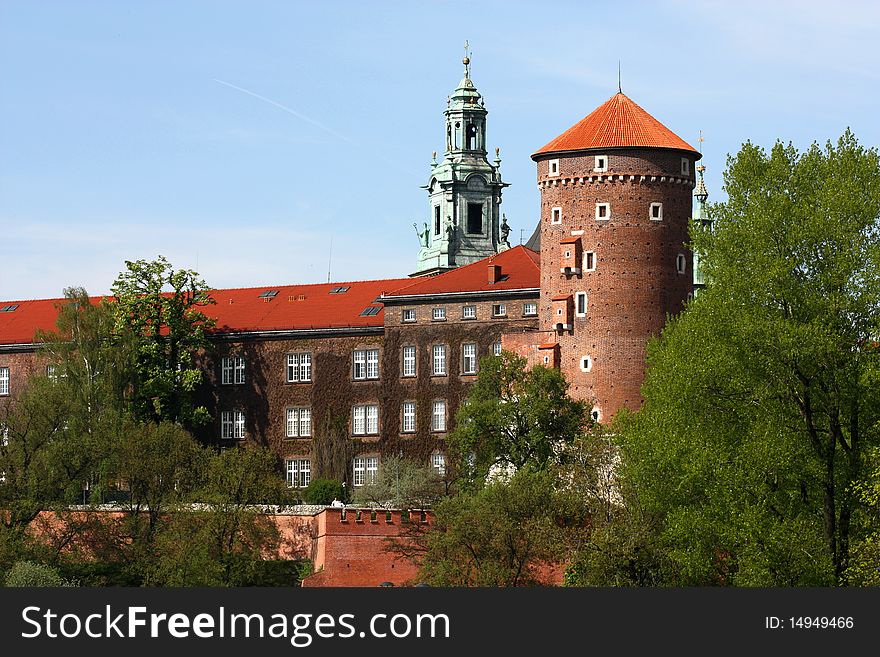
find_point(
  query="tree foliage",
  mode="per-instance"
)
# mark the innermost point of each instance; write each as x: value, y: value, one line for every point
x: 761, y: 400
x: 513, y: 416
x: 161, y: 308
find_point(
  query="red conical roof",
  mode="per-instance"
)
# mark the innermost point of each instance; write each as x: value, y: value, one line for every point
x: 619, y: 122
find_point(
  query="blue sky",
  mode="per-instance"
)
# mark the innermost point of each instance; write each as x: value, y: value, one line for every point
x: 237, y: 138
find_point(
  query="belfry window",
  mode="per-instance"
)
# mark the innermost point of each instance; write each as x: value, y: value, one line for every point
x: 436, y: 219
x: 475, y: 218
x: 471, y: 137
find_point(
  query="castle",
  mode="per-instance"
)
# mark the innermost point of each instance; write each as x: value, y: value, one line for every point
x: 334, y: 377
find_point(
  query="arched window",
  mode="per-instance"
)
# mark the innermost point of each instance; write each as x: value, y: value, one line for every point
x: 471, y: 137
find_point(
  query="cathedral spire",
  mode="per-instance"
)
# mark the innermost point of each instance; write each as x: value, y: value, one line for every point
x: 464, y: 188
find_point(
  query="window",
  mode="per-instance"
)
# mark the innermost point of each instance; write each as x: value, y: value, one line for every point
x: 530, y: 308
x: 299, y: 368
x: 553, y: 168
x: 299, y: 422
x: 232, y: 425
x: 408, y: 413
x: 590, y: 261
x: 438, y: 314
x: 600, y: 163
x: 499, y: 310
x: 340, y: 289
x: 685, y: 166
x: 299, y: 473
x: 596, y: 414
x: 496, y: 348
x: 232, y: 370
x: 438, y: 360
x: 268, y: 295
x: 581, y: 304
x: 436, y: 219
x: 469, y: 358
x: 364, y: 470
x: 680, y: 263
x: 409, y: 315
x: 4, y: 380
x: 369, y: 311
x: 438, y: 464
x: 468, y: 312
x: 53, y: 374
x: 603, y: 211
x: 365, y: 419
x: 409, y: 361
x: 586, y: 364
x: 556, y: 216
x: 365, y: 364
x: 656, y: 213
x: 475, y: 218
x: 438, y: 415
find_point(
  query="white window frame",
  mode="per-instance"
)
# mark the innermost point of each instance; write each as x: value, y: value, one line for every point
x: 4, y: 381
x: 588, y: 265
x: 438, y: 464
x: 299, y: 367
x: 577, y: 304
x: 553, y: 167
x: 298, y: 422
x: 232, y: 425
x: 468, y: 312
x: 499, y: 310
x: 298, y: 473
x: 365, y: 420
x: 496, y: 348
x: 365, y: 364
x: 589, y: 363
x: 438, y: 314
x: 556, y: 215
x: 681, y: 263
x: 607, y: 207
x: 659, y: 216
x: 438, y: 415
x: 408, y: 361
x: 596, y: 414
x: 469, y: 358
x: 365, y: 470
x: 408, y: 315
x: 597, y: 163
x: 438, y: 360
x: 231, y: 370
x: 408, y: 417
x: 530, y: 309
x: 685, y: 166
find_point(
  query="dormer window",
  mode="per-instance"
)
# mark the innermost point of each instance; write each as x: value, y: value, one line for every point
x: 601, y: 164
x: 656, y: 212
x: 553, y: 168
x: 556, y: 216
x: 603, y: 211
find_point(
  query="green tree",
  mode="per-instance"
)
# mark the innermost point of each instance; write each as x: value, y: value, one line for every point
x: 761, y: 400
x: 162, y: 309
x: 513, y: 416
x: 401, y: 483
x: 323, y: 491
x: 508, y: 533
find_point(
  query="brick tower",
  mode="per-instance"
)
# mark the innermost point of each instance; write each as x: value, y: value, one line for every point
x: 615, y: 204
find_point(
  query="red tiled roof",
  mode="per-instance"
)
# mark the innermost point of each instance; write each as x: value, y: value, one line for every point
x: 619, y: 122
x: 295, y: 307
x: 520, y: 269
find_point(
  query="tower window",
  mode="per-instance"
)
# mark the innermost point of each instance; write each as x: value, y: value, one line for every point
x: 601, y: 163
x: 553, y: 168
x: 475, y: 218
x: 685, y: 166
x: 590, y: 261
x: 603, y: 211
x: 656, y: 211
x: 581, y: 304
x: 471, y: 137
x: 436, y: 219
x: 596, y: 414
x: 556, y: 216
x: 586, y: 363
x: 680, y: 263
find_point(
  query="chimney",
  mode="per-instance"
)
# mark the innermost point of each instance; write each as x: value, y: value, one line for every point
x: 494, y: 274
